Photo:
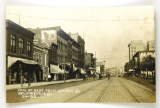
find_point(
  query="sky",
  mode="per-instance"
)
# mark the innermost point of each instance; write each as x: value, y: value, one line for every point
x: 107, y: 31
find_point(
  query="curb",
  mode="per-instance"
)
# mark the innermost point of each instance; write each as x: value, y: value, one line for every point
x: 52, y: 83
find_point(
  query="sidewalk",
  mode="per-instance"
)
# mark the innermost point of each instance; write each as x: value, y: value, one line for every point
x: 16, y: 86
x: 146, y: 82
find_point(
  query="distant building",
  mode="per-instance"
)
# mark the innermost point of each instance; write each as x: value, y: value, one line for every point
x: 151, y: 45
x: 100, y: 67
x: 90, y: 62
x: 134, y: 46
x: 138, y: 59
x: 112, y: 71
x: 81, y: 49
x: 139, y: 45
x: 115, y: 71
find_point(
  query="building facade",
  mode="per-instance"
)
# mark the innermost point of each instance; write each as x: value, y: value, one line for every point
x: 138, y: 57
x: 19, y: 54
x: 47, y: 38
x: 41, y: 56
x: 90, y: 61
x: 100, y: 68
x: 81, y: 49
x: 62, y: 48
x: 139, y: 45
x: 134, y: 46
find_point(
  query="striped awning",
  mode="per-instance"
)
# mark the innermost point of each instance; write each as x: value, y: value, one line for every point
x: 55, y: 69
x: 82, y: 71
x: 12, y: 60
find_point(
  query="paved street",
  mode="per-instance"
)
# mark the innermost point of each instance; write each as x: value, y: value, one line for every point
x: 117, y: 90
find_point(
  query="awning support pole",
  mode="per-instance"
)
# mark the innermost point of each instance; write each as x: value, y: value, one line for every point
x: 10, y: 75
x: 64, y: 73
x: 20, y: 68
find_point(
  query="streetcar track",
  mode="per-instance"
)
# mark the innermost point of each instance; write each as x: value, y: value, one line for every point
x: 97, y: 100
x: 149, y: 90
x: 134, y: 98
x: 103, y: 92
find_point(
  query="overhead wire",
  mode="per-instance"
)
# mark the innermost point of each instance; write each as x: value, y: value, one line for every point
x: 93, y: 19
x: 77, y: 19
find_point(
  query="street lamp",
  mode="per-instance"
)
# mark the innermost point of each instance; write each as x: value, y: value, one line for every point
x: 104, y: 66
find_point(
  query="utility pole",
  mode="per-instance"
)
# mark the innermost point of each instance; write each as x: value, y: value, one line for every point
x: 129, y: 50
x: 147, y: 45
x: 64, y: 72
x: 19, y: 15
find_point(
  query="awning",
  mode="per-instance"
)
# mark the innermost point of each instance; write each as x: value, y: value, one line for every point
x: 74, y: 68
x: 55, y: 69
x: 91, y: 68
x: 82, y: 71
x: 12, y: 60
x: 28, y: 62
x: 65, y: 71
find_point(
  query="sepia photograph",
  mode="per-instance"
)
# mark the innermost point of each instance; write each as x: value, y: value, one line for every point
x: 80, y: 54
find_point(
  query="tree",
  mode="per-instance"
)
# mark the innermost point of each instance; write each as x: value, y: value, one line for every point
x: 148, y: 64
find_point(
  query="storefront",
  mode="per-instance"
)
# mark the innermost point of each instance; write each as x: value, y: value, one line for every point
x: 23, y: 70
x: 57, y: 73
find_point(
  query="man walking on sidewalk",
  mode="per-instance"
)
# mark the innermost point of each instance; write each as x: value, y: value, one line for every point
x: 109, y: 76
x: 49, y: 77
x: 29, y: 81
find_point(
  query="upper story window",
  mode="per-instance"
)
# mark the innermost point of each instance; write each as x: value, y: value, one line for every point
x: 29, y: 48
x: 21, y: 46
x: 13, y: 44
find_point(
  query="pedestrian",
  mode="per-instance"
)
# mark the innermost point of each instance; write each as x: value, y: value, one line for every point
x: 55, y: 77
x: 15, y: 77
x: 24, y: 80
x: 109, y: 76
x: 29, y: 81
x: 49, y: 77
x: 76, y: 76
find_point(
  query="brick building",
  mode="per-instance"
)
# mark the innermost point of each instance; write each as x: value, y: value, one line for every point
x: 19, y: 54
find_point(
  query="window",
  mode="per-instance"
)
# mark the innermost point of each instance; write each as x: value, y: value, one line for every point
x: 21, y: 46
x: 29, y: 48
x: 13, y: 44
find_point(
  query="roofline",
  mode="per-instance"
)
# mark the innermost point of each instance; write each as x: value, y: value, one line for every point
x: 11, y: 22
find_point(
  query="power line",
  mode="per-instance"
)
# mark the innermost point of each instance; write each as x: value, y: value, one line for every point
x: 100, y: 37
x: 114, y: 57
x: 80, y: 19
